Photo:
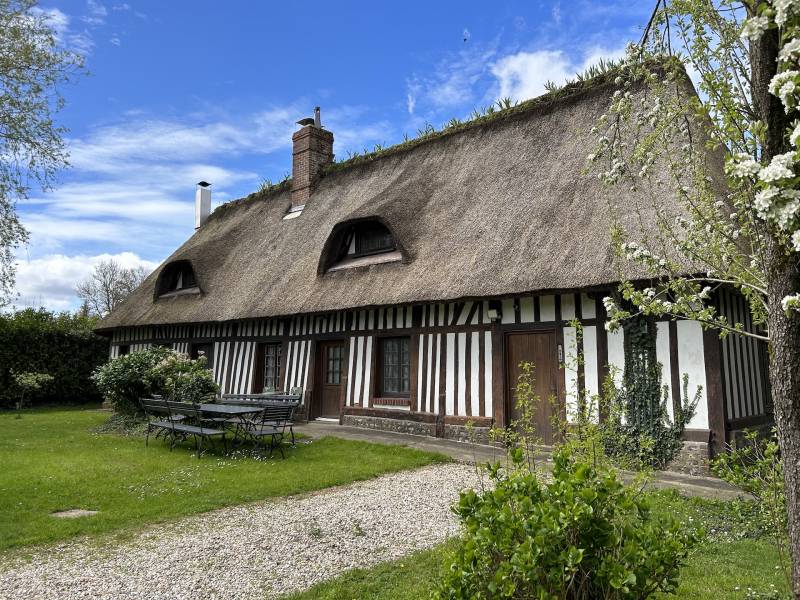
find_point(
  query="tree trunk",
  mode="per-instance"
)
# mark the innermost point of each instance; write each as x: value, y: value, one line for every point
x: 783, y: 278
x: 784, y: 375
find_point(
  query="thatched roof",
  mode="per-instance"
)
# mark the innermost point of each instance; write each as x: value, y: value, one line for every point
x: 500, y: 207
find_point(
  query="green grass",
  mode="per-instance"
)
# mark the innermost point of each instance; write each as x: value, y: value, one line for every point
x: 724, y: 566
x: 51, y: 460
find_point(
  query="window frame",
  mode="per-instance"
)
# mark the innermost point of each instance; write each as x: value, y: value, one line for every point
x: 260, y: 368
x: 380, y: 378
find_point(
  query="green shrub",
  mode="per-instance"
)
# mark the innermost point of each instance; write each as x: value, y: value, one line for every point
x: 62, y: 345
x: 27, y: 384
x: 157, y: 370
x: 756, y: 468
x: 583, y: 536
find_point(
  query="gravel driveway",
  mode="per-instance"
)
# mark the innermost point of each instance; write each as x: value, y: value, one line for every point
x: 256, y: 550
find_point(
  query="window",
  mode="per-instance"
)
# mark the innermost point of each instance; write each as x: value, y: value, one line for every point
x: 202, y: 349
x: 270, y: 361
x: 361, y: 243
x: 370, y: 238
x: 124, y: 350
x: 176, y: 278
x: 334, y: 372
x: 395, y: 366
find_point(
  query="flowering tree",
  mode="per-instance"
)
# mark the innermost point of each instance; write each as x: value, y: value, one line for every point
x: 742, y: 231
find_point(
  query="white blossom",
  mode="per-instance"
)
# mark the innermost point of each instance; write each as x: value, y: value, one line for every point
x: 754, y: 27
x: 791, y: 303
x: 790, y: 209
x: 780, y: 167
x: 794, y: 137
x: 790, y: 51
x: 796, y: 240
x: 743, y: 165
x: 783, y: 8
x: 764, y: 198
x: 783, y: 86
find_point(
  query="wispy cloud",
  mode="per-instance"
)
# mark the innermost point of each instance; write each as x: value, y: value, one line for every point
x: 96, y: 13
x: 131, y: 187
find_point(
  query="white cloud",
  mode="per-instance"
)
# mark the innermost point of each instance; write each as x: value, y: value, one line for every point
x: 96, y: 13
x: 523, y: 75
x: 115, y: 40
x: 50, y: 281
x: 123, y: 6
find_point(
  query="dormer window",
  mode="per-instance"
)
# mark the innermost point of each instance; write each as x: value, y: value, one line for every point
x: 177, y: 278
x: 369, y: 238
x: 360, y: 243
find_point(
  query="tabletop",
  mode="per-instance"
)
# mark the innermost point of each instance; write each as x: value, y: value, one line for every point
x: 229, y: 409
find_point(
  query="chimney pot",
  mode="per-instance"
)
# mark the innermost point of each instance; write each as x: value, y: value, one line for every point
x: 312, y: 150
x: 202, y: 204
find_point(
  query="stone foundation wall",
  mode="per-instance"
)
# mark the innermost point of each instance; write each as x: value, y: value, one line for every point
x: 460, y: 433
x: 396, y: 425
x: 693, y: 459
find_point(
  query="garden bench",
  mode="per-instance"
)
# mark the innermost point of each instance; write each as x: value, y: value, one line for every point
x: 172, y: 419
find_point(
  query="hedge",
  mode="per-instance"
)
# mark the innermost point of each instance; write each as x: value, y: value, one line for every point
x: 62, y: 345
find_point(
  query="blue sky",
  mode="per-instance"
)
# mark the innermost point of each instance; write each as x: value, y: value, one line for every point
x: 181, y: 91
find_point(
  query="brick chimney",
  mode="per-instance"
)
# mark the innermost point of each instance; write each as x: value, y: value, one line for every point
x: 312, y: 149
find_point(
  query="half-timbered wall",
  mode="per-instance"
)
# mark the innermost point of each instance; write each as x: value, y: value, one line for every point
x: 743, y: 363
x: 457, y: 352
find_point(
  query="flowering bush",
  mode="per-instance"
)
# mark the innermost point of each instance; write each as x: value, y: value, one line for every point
x: 157, y: 370
x: 182, y: 379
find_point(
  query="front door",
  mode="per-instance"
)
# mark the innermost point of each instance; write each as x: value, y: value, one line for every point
x: 329, y: 379
x: 538, y: 348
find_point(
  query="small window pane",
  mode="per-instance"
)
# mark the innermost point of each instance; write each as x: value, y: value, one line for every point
x: 396, y: 366
x: 272, y: 367
x: 334, y: 374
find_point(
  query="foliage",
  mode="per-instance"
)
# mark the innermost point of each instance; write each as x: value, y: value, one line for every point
x: 629, y: 426
x: 156, y: 370
x: 638, y: 428
x: 522, y: 432
x: 29, y: 383
x: 53, y: 459
x: 109, y: 284
x: 583, y: 535
x: 62, y: 345
x: 757, y: 469
x: 181, y: 379
x: 33, y: 69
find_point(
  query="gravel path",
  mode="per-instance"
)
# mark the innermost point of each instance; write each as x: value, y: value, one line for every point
x: 256, y: 550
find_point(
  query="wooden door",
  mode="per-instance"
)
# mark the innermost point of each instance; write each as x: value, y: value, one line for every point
x: 538, y: 348
x: 329, y: 379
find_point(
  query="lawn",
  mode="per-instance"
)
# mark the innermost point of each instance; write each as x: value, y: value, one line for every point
x: 724, y: 566
x: 52, y: 460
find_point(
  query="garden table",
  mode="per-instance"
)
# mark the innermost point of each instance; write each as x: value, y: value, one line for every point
x: 233, y: 414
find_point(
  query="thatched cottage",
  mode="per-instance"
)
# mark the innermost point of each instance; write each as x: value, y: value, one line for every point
x: 401, y: 290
